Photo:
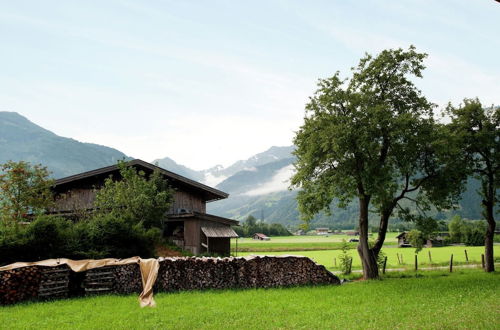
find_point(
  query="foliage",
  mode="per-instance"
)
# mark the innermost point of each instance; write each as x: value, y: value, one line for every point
x: 126, y: 224
x: 476, y: 130
x: 252, y: 226
x: 373, y: 138
x: 24, y: 192
x: 135, y: 197
x: 345, y: 259
x: 455, y: 228
x: 416, y: 239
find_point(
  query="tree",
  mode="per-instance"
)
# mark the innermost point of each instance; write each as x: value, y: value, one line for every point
x: 416, y: 239
x: 372, y: 138
x: 456, y: 229
x: 477, y: 131
x: 24, y: 192
x: 135, y: 197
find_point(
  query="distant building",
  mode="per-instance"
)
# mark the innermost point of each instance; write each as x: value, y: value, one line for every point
x: 300, y: 232
x: 322, y: 231
x: 261, y: 237
x: 352, y: 233
x: 403, y: 240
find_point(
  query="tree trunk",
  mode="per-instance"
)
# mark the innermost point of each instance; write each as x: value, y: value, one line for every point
x: 382, y: 231
x: 368, y: 260
x: 488, y: 241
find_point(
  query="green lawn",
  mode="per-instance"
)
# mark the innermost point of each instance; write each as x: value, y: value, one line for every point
x: 440, y: 256
x: 299, y: 243
x: 464, y: 300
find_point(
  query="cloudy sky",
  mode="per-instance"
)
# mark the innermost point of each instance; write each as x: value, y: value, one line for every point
x: 211, y: 82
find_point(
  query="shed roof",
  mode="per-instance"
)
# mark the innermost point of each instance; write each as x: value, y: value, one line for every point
x: 209, y: 193
x: 219, y: 232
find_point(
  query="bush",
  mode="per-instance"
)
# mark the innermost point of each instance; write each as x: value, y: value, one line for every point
x: 345, y: 259
x: 101, y: 237
x: 108, y: 236
x: 474, y: 237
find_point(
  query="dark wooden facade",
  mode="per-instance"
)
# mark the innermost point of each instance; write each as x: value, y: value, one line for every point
x: 186, y: 220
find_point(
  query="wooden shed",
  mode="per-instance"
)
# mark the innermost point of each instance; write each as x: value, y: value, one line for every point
x: 186, y: 223
x: 403, y: 240
x: 261, y: 237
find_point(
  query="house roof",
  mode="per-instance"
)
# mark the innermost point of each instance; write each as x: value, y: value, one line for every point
x: 219, y: 232
x: 209, y: 193
x: 401, y: 235
x: 260, y: 235
x: 202, y: 216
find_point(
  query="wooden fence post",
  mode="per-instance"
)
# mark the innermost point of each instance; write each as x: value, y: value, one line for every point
x: 416, y: 262
x: 482, y: 260
x: 334, y: 262
x: 397, y: 255
x: 466, y: 256
x: 451, y: 263
x: 430, y: 257
x: 385, y: 264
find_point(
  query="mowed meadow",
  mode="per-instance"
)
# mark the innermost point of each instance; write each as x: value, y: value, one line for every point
x: 437, y: 300
x: 325, y: 250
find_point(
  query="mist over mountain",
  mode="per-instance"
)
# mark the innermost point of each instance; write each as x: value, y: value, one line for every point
x: 20, y: 139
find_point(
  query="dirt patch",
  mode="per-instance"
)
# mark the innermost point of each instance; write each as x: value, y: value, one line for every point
x: 165, y: 251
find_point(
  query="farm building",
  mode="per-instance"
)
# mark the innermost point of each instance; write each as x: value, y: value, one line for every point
x: 322, y: 231
x: 352, y: 233
x: 403, y: 240
x: 261, y: 237
x: 300, y: 232
x: 186, y: 223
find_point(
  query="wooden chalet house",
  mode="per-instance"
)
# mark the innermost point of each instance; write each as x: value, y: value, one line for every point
x: 187, y: 223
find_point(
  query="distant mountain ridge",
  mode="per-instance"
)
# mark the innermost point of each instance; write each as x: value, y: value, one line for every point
x: 257, y: 186
x: 20, y: 139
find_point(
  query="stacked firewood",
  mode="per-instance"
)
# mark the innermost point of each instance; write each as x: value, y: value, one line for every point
x: 54, y: 282
x: 123, y: 279
x: 127, y: 279
x: 19, y: 284
x: 177, y: 274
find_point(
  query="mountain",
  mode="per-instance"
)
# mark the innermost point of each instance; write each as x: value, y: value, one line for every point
x: 20, y: 139
x: 169, y: 164
x: 257, y: 186
x: 217, y: 174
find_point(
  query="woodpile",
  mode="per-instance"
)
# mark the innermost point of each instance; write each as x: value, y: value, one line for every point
x: 174, y: 274
x: 122, y: 279
x: 54, y: 282
x: 178, y: 274
x: 19, y: 284
x: 127, y: 279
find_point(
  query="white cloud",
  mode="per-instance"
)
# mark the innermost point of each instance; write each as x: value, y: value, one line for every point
x: 279, y: 182
x: 213, y: 180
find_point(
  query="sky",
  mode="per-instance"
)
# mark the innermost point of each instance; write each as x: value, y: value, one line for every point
x: 212, y: 82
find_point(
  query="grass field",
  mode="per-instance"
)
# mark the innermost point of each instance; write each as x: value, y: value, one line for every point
x: 439, y: 255
x: 464, y: 300
x: 300, y: 243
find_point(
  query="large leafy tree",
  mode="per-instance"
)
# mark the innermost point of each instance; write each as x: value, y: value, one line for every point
x: 135, y: 197
x: 24, y: 192
x: 373, y: 138
x: 477, y: 132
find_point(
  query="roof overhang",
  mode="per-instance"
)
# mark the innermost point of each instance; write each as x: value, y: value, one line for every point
x: 202, y: 216
x: 219, y: 232
x: 209, y: 193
